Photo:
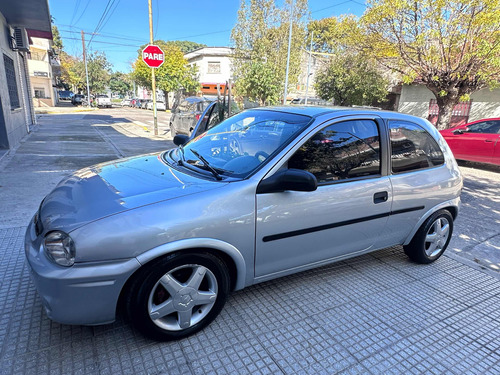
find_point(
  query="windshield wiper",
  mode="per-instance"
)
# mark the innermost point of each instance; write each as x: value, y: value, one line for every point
x: 206, y: 164
x: 180, y: 161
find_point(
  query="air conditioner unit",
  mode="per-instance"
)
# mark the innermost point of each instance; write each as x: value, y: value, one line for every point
x: 19, y: 39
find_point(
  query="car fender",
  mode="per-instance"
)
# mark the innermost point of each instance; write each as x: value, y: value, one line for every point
x: 197, y: 243
x: 450, y: 203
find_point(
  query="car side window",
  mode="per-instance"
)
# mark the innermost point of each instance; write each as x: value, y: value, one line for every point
x: 341, y: 151
x: 413, y: 148
x: 490, y: 127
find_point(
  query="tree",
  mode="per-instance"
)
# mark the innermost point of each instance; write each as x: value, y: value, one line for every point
x: 72, y: 72
x: 185, y: 45
x: 450, y: 46
x: 351, y: 79
x: 99, y: 70
x: 260, y: 38
x: 332, y: 34
x: 56, y: 40
x: 172, y: 75
x: 120, y: 83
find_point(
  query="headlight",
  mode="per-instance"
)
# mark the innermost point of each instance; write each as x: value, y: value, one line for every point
x: 59, y: 248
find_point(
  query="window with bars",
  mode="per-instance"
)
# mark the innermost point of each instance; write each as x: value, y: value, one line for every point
x: 10, y: 74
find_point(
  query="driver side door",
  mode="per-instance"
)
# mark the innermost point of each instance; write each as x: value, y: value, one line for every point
x: 345, y: 215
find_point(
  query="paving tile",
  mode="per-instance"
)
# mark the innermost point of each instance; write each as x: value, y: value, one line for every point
x: 306, y: 349
x: 378, y: 313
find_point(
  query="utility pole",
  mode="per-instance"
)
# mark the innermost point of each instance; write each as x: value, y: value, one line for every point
x: 153, y: 78
x: 86, y: 69
x: 229, y: 98
x: 309, y: 66
x: 288, y: 56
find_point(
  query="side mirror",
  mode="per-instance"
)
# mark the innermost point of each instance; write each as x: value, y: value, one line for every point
x: 458, y: 131
x: 289, y: 179
x: 181, y: 139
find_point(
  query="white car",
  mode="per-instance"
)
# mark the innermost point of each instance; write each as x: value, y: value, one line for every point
x: 160, y: 106
x: 103, y: 101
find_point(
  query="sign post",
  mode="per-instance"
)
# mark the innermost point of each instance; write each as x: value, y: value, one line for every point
x: 153, y: 57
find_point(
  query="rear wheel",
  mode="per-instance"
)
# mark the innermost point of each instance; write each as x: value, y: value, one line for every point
x: 432, y: 238
x: 178, y: 295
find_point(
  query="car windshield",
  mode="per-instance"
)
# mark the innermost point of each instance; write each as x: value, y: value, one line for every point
x: 242, y: 143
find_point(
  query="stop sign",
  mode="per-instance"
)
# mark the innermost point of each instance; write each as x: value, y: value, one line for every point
x: 153, y: 56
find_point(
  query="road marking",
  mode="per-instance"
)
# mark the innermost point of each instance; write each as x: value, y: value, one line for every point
x: 159, y: 123
x: 141, y: 124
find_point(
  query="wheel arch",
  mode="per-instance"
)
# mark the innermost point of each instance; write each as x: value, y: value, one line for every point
x: 453, y: 206
x: 226, y: 252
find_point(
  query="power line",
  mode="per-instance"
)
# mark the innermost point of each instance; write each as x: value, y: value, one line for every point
x: 110, y: 43
x: 81, y: 15
x: 333, y: 6
x: 77, y: 5
x: 104, y: 36
x: 104, y: 14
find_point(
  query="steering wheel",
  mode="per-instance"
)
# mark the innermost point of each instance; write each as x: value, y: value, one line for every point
x: 261, y: 155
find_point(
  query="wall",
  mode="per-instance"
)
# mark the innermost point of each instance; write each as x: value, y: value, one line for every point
x: 203, y: 56
x: 415, y: 101
x: 15, y: 120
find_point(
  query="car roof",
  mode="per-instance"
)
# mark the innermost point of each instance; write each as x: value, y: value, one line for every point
x: 315, y: 111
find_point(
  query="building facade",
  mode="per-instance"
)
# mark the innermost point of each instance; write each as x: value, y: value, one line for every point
x: 41, y: 61
x: 215, y: 67
x: 16, y: 107
x: 419, y: 101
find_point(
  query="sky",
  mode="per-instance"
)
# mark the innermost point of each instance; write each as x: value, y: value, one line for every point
x: 125, y: 27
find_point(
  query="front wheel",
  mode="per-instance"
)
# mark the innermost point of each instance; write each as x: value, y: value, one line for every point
x: 178, y: 295
x: 432, y: 238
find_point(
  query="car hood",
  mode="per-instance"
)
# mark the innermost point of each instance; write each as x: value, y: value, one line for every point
x: 112, y: 187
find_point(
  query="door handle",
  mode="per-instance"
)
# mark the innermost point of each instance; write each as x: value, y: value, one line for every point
x: 488, y: 140
x: 380, y: 197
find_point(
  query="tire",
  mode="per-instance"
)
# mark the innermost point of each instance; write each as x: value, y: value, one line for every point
x: 431, y: 239
x: 168, y: 299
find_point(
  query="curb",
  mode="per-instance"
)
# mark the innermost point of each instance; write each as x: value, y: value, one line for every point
x: 42, y: 112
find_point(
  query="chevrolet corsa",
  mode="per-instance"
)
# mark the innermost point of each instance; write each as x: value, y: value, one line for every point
x: 266, y: 193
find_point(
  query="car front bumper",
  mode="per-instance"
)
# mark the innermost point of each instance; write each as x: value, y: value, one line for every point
x: 86, y: 293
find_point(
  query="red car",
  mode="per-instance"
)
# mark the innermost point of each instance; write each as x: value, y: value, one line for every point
x: 476, y: 141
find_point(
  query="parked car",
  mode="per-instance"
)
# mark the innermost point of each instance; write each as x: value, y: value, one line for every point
x: 160, y: 106
x: 78, y: 99
x: 103, y: 101
x: 125, y: 103
x: 266, y: 193
x: 65, y: 95
x: 215, y: 113
x: 186, y: 114
x: 310, y: 101
x: 144, y: 103
x: 477, y: 141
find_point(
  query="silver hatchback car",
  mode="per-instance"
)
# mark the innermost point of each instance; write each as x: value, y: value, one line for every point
x: 266, y: 193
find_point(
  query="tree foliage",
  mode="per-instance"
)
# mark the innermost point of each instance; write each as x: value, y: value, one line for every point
x: 260, y: 38
x: 185, y: 45
x: 450, y: 46
x: 99, y: 71
x: 172, y: 75
x: 120, y: 83
x: 351, y: 79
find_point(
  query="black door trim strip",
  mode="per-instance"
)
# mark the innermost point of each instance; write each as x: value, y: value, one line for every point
x: 299, y: 232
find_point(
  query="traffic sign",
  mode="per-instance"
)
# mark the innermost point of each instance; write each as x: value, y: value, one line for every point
x: 153, y: 56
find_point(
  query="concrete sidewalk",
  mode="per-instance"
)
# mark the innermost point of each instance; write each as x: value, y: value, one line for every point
x: 374, y: 314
